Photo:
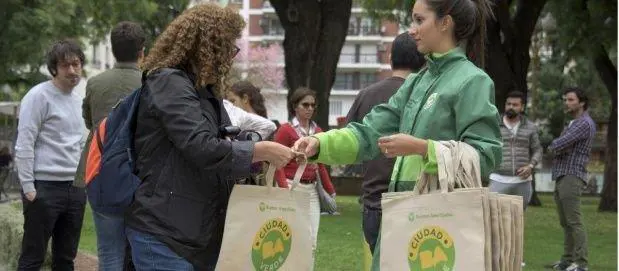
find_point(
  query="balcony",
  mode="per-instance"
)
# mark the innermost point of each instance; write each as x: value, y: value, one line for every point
x: 273, y: 31
x: 358, y: 58
x: 364, y: 33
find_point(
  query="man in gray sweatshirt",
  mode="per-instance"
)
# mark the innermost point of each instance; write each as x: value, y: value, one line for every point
x: 47, y: 151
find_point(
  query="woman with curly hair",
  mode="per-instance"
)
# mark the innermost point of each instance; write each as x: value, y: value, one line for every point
x: 186, y: 166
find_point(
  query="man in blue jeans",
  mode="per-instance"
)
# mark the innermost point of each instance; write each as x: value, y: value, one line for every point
x: 102, y: 93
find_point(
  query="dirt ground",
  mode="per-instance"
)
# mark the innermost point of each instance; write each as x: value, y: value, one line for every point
x: 85, y: 262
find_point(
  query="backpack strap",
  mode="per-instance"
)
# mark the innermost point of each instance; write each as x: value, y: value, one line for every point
x: 99, y: 141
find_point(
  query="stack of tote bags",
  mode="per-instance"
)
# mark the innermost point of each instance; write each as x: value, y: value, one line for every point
x: 267, y: 228
x: 440, y: 227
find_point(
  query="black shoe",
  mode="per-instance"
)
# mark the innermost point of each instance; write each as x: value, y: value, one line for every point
x: 559, y: 266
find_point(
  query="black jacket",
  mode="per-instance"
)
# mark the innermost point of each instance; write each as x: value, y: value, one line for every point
x: 185, y: 166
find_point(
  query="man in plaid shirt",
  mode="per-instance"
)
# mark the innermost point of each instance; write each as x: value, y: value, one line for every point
x: 571, y: 154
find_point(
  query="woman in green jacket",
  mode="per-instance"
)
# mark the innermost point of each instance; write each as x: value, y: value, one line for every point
x: 450, y: 99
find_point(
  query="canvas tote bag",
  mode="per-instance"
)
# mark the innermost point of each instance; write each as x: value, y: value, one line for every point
x: 267, y: 228
x: 435, y: 227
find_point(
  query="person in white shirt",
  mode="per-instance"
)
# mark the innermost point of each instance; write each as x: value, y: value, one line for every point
x: 247, y: 97
x: 249, y: 121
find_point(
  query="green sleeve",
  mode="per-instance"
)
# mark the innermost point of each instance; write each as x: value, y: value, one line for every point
x: 337, y: 147
x: 384, y: 119
x: 479, y: 126
x: 358, y: 141
x: 430, y: 162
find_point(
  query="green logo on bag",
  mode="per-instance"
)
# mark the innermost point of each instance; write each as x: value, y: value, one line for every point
x: 411, y: 217
x: 262, y: 206
x: 431, y: 248
x: 271, y: 245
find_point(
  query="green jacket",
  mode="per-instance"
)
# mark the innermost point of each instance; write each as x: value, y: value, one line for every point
x: 103, y: 91
x: 450, y: 99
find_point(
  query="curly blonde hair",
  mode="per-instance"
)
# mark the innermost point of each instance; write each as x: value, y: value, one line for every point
x: 203, y: 36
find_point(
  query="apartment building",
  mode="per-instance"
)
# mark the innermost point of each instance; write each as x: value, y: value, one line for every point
x: 364, y: 58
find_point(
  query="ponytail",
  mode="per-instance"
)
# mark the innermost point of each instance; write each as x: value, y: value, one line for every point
x: 476, y: 43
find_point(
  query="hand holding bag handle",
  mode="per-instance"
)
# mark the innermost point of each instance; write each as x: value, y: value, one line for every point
x: 301, y: 161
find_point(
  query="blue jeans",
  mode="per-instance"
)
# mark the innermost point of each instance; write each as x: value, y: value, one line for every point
x: 371, y: 226
x: 111, y: 241
x: 151, y: 254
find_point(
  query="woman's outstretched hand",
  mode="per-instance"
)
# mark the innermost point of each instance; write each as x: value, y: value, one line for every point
x: 276, y: 154
x: 308, y: 145
x: 402, y: 145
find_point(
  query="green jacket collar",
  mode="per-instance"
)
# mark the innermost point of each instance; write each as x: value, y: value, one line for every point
x: 126, y: 65
x: 438, y: 63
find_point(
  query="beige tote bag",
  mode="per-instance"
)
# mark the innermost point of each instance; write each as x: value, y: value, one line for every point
x: 435, y: 227
x: 267, y: 228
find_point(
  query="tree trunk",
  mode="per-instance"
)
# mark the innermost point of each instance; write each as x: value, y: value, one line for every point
x: 507, y: 51
x: 508, y: 44
x: 608, y: 73
x: 315, y: 34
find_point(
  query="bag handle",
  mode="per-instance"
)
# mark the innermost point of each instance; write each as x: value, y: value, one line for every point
x: 301, y: 161
x: 427, y: 183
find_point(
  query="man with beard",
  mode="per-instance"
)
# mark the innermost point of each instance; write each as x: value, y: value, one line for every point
x: 571, y: 153
x: 47, y: 151
x: 521, y: 151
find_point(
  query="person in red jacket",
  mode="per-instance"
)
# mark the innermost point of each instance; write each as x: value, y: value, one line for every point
x: 303, y: 105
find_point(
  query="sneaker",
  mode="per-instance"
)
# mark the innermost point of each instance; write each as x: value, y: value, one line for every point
x: 575, y: 267
x: 524, y: 264
x: 559, y: 266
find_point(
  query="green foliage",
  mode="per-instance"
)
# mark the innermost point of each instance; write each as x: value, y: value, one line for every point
x: 395, y: 10
x: 558, y: 60
x: 580, y: 23
x: 28, y: 28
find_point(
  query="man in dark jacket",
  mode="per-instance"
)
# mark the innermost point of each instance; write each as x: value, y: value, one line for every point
x: 103, y: 91
x: 405, y: 59
x: 186, y: 165
x: 522, y: 151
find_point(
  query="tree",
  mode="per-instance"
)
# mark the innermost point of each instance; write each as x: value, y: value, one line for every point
x: 315, y: 32
x: 31, y: 26
x: 259, y: 66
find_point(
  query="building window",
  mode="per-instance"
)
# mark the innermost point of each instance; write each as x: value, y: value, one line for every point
x: 368, y: 54
x: 343, y: 81
x: 369, y: 27
x: 271, y: 27
x: 335, y: 108
x: 367, y: 79
x: 353, y: 26
x: 348, y: 54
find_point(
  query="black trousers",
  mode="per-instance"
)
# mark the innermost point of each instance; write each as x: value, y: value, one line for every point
x: 371, y: 225
x: 57, y: 212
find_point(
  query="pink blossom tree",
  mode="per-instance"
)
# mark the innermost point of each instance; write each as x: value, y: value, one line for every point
x: 260, y: 65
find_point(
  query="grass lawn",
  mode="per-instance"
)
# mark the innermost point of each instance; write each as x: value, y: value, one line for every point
x: 340, y: 240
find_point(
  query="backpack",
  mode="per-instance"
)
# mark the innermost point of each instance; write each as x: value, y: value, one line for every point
x: 110, y: 179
